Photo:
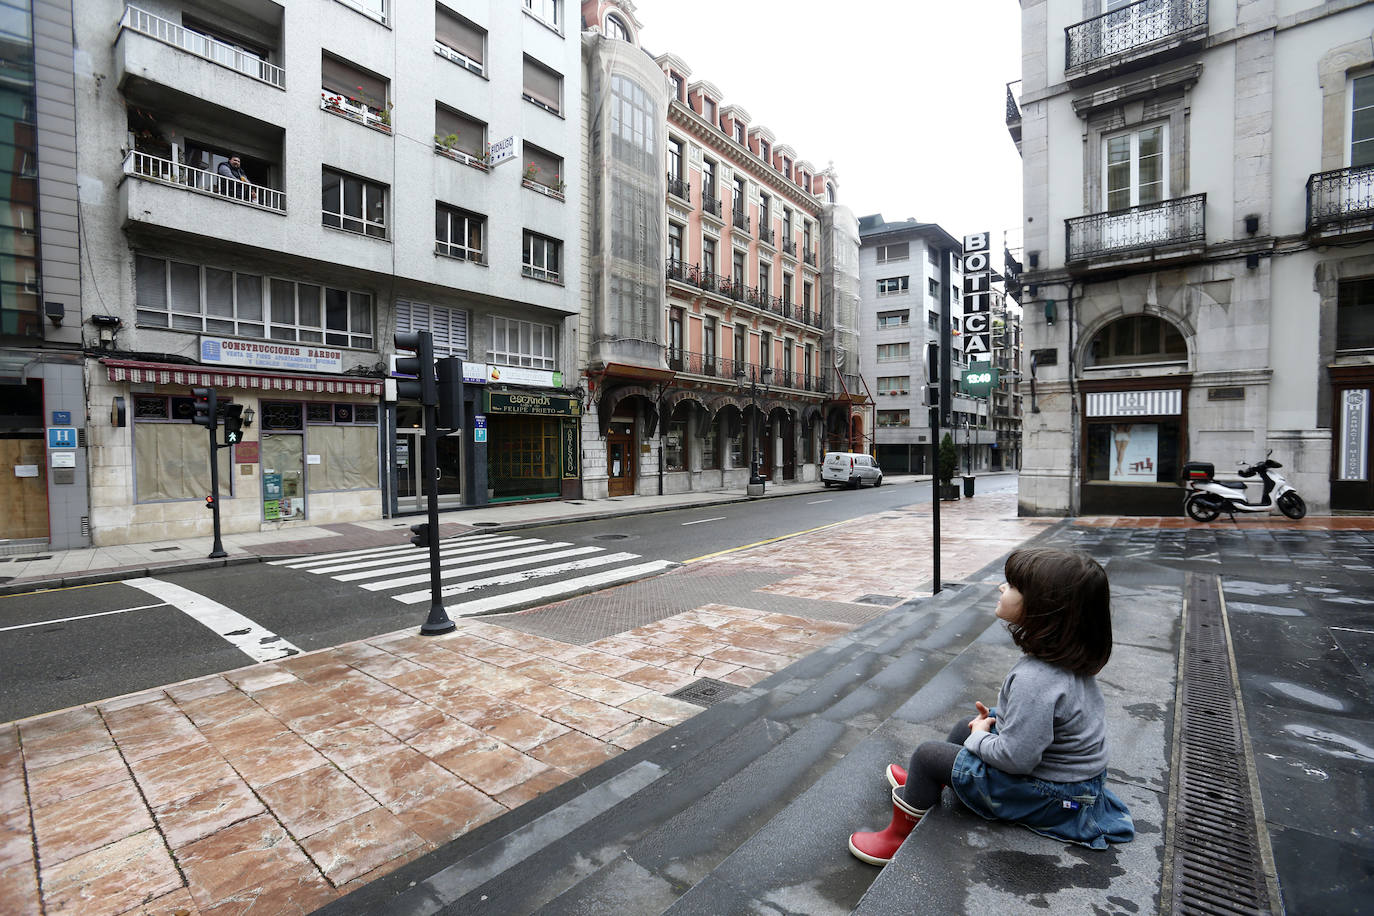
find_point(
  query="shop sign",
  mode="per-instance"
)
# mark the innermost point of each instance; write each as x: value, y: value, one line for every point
x: 61, y: 418
x: 977, y: 295
x: 262, y: 354
x: 247, y: 453
x: 516, y: 375
x: 532, y: 402
x: 1354, y: 434
x: 571, y: 451
x: 61, y: 437
x: 979, y: 379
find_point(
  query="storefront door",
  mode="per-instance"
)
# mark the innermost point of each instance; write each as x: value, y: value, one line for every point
x: 283, y: 476
x: 789, y: 450
x: 410, y: 488
x: 1352, y: 485
x: 620, y: 464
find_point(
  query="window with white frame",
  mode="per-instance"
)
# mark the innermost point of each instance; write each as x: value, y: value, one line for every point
x: 675, y: 231
x: 888, y: 352
x: 547, y: 11
x: 933, y: 286
x: 459, y: 233
x: 540, y: 257
x: 893, y: 286
x: 894, y: 384
x: 543, y: 86
x: 616, y: 29
x: 708, y: 109
x: 349, y: 89
x: 1362, y: 121
x: 708, y: 255
x: 893, y: 319
x: 459, y: 40
x: 1136, y: 167
x: 353, y: 204
x: 898, y: 251
x: 194, y: 297
x: 521, y: 343
x: 447, y: 326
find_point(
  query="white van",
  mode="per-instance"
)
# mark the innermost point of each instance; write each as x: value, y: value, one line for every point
x: 853, y: 469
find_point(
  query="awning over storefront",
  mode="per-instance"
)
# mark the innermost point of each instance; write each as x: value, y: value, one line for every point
x: 127, y: 370
x: 611, y: 399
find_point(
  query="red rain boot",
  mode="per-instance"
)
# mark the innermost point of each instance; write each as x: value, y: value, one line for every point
x: 879, y: 848
x: 896, y: 776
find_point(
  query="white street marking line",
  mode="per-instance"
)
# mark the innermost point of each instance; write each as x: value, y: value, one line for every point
x: 443, y: 552
x: 817, y: 502
x: 363, y: 554
x: 543, y: 592
x: 258, y: 643
x: 700, y: 520
x: 485, y: 567
x: 448, y: 561
x: 524, y: 575
x: 43, y: 623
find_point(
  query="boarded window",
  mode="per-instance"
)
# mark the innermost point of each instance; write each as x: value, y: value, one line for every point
x: 348, y: 458
x: 170, y: 462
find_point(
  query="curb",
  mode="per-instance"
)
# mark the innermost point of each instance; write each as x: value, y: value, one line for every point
x: 120, y: 574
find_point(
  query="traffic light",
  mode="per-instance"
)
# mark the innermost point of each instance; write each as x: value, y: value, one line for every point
x: 233, y: 424
x: 210, y: 503
x: 204, y: 399
x: 423, y: 387
x: 450, y: 382
x: 933, y: 374
x: 420, y: 535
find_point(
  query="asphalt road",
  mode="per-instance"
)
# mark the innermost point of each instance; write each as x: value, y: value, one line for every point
x: 65, y: 647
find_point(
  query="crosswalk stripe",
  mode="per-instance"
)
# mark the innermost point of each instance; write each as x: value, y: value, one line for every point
x: 363, y: 553
x: 505, y: 551
x: 545, y: 592
x: 455, y: 550
x: 523, y: 575
x: 457, y: 572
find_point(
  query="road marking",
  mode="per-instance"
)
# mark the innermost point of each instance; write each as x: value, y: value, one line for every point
x: 781, y: 537
x: 451, y: 561
x: 484, y: 567
x: 543, y: 593
x: 255, y: 641
x: 817, y: 502
x: 334, y: 565
x: 523, y: 575
x: 43, y: 623
x: 701, y: 520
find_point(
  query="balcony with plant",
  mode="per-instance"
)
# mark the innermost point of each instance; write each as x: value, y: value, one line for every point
x: 355, y: 110
x: 538, y: 179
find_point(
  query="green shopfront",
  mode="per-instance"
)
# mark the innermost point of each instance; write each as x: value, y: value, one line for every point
x: 533, y: 447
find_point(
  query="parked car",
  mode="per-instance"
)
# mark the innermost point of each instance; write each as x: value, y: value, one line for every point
x: 850, y: 468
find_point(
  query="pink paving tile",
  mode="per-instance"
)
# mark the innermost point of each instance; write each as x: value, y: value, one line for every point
x: 199, y: 689
x: 318, y: 798
x: 447, y: 735
x: 250, y: 729
x: 218, y: 709
x: 50, y: 749
x: 150, y: 729
x: 58, y: 724
x: 19, y: 890
x: 178, y: 903
x: 405, y: 722
x: 588, y: 716
x: 387, y: 667
x: 351, y: 745
x: 539, y: 697
x: 765, y: 661
x: 12, y: 792
x: 259, y: 677
x: 664, y: 710
x: 190, y: 819
x: 574, y: 753
x: 130, y: 700
x: 634, y: 734
x: 532, y: 788
x: 16, y: 839
x: 598, y: 687
x: 244, y: 861
x: 402, y: 778
x: 76, y: 777
x: 278, y: 757
x: 450, y: 813
x: 111, y: 879
x: 662, y: 680
x: 70, y: 828
x: 491, y: 766
x: 523, y: 730
x: 181, y: 773
x: 277, y: 699
x: 600, y: 662
x: 9, y: 739
x: 360, y: 844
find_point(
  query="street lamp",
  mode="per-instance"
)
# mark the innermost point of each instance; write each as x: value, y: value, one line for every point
x: 758, y: 379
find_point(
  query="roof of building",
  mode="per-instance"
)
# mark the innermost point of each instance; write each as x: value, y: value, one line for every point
x: 873, y: 226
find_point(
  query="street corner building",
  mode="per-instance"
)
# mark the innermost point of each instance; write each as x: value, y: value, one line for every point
x: 1199, y: 247
x: 718, y: 332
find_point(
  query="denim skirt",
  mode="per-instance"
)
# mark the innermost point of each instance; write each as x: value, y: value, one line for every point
x: 1087, y: 812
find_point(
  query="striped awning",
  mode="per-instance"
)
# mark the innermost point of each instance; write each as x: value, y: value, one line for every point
x: 127, y: 370
x: 1151, y: 402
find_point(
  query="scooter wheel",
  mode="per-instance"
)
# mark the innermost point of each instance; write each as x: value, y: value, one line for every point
x: 1201, y: 508
x: 1291, y: 505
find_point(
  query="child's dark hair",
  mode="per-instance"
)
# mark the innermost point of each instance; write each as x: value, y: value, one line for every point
x: 1066, y: 617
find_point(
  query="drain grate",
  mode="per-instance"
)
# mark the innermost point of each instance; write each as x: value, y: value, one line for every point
x: 163, y: 549
x: 610, y: 537
x: 1217, y: 854
x: 706, y: 692
x: 485, y: 524
x: 884, y: 600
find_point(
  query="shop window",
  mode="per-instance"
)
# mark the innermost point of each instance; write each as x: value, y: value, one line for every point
x: 737, y: 446
x: 710, y: 446
x: 675, y: 445
x: 345, y: 438
x: 1122, y: 450
x: 170, y: 451
x: 1355, y: 314
x: 1137, y: 339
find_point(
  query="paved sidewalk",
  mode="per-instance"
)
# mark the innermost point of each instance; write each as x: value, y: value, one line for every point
x: 277, y: 787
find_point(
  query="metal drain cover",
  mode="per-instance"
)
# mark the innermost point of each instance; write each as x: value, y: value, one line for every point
x: 706, y: 692
x: 884, y: 600
x: 610, y: 537
x: 485, y: 524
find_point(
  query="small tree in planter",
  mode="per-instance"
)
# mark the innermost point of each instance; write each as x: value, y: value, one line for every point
x: 949, y: 463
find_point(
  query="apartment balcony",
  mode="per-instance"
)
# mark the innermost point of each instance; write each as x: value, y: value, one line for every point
x: 726, y: 288
x: 710, y: 204
x: 1340, y: 203
x: 1150, y: 233
x: 1131, y: 37
x: 740, y: 220
x: 199, y: 181
x: 160, y: 64
x: 357, y: 112
x: 789, y: 248
x: 809, y: 257
x: 767, y: 236
x: 679, y: 188
x: 1014, y: 115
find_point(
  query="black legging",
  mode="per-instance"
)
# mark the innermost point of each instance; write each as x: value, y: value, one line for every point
x: 930, y: 768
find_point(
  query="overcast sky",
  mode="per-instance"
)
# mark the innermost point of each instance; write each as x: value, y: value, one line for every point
x: 906, y: 97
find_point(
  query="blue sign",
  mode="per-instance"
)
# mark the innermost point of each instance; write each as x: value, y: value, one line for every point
x: 479, y: 435
x: 61, y: 418
x: 61, y: 437
x: 479, y: 421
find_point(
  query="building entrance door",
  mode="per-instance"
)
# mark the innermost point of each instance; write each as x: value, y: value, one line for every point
x: 1352, y: 485
x: 283, y: 476
x: 789, y: 450
x: 620, y: 464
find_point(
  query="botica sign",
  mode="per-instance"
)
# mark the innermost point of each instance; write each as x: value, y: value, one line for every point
x: 508, y: 402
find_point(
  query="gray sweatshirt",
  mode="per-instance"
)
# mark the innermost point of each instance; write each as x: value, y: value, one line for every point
x: 1051, y: 724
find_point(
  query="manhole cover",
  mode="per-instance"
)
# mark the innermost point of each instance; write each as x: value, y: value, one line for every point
x: 610, y: 537
x: 879, y: 599
x: 485, y: 524
x: 706, y: 692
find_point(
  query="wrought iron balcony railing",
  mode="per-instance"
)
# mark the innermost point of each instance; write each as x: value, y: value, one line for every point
x: 710, y: 204
x: 1340, y: 196
x: 165, y: 171
x: 678, y: 187
x: 789, y: 247
x: 1168, y: 223
x: 809, y: 257
x: 766, y: 235
x: 1013, y: 109
x: 677, y: 270
x: 740, y: 220
x: 1129, y: 28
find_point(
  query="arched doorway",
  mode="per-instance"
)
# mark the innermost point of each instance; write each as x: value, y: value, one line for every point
x: 856, y: 433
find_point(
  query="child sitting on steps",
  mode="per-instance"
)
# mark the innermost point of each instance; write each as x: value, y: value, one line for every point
x: 1039, y: 757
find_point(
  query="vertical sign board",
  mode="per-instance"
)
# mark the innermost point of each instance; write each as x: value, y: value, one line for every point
x: 977, y: 297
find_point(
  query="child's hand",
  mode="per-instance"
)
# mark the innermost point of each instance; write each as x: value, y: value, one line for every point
x: 982, y: 722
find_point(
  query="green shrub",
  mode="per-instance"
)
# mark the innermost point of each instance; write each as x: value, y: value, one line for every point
x: 949, y: 459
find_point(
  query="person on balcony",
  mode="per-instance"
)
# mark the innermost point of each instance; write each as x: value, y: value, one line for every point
x: 238, y: 186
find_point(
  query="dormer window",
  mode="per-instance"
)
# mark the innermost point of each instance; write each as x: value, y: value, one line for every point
x: 787, y: 166
x: 616, y: 29
x: 679, y: 86
x: 763, y: 149
x: 708, y: 109
x: 739, y: 133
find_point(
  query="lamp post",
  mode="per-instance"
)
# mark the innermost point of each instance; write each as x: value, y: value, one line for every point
x: 758, y: 378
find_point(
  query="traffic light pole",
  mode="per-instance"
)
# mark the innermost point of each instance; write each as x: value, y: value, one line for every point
x: 217, y: 551
x: 438, y: 621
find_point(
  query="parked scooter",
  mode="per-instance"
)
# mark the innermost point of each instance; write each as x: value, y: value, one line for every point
x: 1207, y: 498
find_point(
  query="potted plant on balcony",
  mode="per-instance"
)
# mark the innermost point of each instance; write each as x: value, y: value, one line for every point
x: 948, y: 464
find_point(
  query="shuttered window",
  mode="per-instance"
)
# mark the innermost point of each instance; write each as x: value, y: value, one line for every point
x: 448, y: 327
x: 543, y: 166
x: 342, y: 78
x: 543, y: 86
x: 459, y: 34
x: 471, y: 133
